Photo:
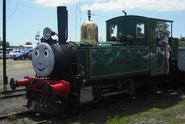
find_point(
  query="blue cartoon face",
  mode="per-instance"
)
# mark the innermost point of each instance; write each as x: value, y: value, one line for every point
x: 43, y: 60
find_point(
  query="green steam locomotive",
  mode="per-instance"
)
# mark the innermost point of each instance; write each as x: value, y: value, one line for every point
x: 73, y: 74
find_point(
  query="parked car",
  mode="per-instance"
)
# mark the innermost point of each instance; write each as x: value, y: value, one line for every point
x: 22, y: 55
x: 12, y: 52
x: 9, y: 49
x: 1, y: 49
x: 30, y: 55
x: 7, y: 54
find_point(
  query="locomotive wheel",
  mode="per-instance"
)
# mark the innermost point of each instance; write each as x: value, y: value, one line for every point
x: 129, y: 85
x: 101, y: 101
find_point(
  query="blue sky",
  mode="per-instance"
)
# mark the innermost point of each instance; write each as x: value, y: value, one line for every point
x: 27, y: 17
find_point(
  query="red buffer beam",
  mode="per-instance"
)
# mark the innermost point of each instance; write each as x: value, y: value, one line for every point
x: 47, y: 87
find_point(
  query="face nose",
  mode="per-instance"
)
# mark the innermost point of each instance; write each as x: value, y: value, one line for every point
x: 40, y: 60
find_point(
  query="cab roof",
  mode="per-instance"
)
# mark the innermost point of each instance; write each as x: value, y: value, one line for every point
x: 156, y: 19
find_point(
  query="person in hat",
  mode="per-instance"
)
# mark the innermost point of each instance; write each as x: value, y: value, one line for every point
x: 139, y: 34
x: 167, y: 53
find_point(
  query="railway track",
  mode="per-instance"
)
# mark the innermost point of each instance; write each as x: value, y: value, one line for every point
x: 10, y: 93
x: 27, y: 117
x: 31, y: 117
x: 13, y: 115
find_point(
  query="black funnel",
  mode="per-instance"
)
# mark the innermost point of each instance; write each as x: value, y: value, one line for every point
x: 62, y: 23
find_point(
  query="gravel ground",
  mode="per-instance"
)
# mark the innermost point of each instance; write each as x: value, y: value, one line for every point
x: 14, y: 104
x: 18, y: 74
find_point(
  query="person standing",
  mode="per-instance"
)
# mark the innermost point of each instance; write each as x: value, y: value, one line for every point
x: 167, y: 53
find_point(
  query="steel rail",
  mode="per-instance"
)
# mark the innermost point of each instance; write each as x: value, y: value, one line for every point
x: 12, y: 95
x: 11, y: 91
x: 3, y: 117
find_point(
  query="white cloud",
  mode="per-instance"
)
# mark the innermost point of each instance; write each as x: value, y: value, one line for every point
x: 54, y: 3
x: 116, y: 5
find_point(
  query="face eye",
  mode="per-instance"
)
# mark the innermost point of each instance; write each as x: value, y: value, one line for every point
x: 36, y: 53
x: 46, y: 53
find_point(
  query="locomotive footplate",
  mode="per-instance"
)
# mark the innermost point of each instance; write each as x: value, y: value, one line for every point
x: 47, y: 104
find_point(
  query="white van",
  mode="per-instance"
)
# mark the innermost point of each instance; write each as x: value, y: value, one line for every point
x: 14, y: 52
x: 7, y: 54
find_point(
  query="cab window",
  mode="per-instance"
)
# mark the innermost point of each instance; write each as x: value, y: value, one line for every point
x: 114, y: 31
x: 140, y: 30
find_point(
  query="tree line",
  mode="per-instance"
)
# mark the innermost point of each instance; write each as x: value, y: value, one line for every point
x: 162, y: 31
x: 8, y: 44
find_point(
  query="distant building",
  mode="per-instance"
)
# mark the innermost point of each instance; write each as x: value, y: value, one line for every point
x: 15, y: 47
x: 22, y: 47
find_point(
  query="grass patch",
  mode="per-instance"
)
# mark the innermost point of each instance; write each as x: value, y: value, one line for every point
x: 14, y: 65
x: 24, y: 122
x: 21, y: 98
x: 173, y: 114
x: 11, y: 117
x: 163, y: 111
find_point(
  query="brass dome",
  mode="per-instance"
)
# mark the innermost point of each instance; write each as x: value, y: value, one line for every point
x: 89, y: 32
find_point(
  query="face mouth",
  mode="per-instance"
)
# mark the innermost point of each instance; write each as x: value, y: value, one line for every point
x: 41, y: 69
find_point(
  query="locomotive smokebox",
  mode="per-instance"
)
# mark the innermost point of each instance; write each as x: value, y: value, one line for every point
x: 62, y: 14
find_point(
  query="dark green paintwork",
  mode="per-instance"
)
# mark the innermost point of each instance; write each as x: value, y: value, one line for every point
x: 83, y: 60
x: 102, y: 62
x: 174, y: 49
x: 148, y: 40
x: 132, y: 21
x: 157, y: 60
